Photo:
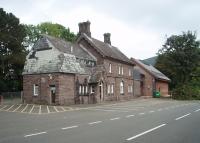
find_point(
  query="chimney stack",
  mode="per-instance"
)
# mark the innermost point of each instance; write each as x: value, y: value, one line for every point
x: 107, y: 38
x: 84, y: 27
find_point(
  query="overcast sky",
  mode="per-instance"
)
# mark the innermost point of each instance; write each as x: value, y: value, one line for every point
x: 138, y: 27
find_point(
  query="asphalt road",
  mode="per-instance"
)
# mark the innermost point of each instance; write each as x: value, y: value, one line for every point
x: 137, y: 121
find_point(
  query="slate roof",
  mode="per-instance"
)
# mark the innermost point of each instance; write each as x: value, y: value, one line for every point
x: 51, y: 54
x: 107, y: 50
x: 152, y: 70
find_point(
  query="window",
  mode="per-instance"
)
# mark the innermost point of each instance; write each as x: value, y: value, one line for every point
x: 129, y: 72
x: 130, y: 89
x: 112, y: 88
x: 119, y: 69
x: 86, y: 89
x: 122, y: 87
x: 110, y: 68
x: 108, y: 88
x: 35, y: 90
x: 122, y: 70
x: 80, y: 89
x: 91, y: 89
x: 83, y: 90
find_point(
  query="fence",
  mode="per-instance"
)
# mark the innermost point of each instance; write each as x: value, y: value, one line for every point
x: 11, y: 97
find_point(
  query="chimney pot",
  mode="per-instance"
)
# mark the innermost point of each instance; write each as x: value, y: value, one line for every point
x: 107, y: 38
x: 84, y: 27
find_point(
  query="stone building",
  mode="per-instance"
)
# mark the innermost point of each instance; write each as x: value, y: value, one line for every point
x: 87, y: 71
x: 148, y: 79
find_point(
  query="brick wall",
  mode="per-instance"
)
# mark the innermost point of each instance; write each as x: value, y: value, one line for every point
x: 162, y: 87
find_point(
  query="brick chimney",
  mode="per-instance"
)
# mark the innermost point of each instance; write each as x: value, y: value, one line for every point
x: 107, y: 38
x: 84, y: 27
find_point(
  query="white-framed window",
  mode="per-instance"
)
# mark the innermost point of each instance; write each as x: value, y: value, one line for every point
x: 35, y: 90
x: 80, y: 89
x: 122, y: 70
x: 83, y: 90
x: 91, y: 89
x: 108, y: 88
x: 110, y: 68
x: 129, y: 72
x: 112, y: 88
x: 130, y: 89
x: 121, y: 87
x: 119, y: 69
x: 86, y: 89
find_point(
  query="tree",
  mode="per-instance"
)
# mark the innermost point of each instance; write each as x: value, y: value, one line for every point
x: 56, y: 30
x: 179, y: 58
x: 12, y: 51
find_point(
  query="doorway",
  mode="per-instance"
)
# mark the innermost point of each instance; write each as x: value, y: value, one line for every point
x: 53, y: 94
x: 101, y: 91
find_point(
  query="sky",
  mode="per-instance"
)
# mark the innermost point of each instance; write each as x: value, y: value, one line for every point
x: 138, y: 28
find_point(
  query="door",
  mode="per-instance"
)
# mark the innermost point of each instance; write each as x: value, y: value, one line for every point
x: 53, y: 94
x: 101, y: 91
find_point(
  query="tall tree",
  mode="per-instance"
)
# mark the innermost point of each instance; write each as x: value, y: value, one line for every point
x: 56, y: 30
x: 12, y: 51
x: 179, y: 58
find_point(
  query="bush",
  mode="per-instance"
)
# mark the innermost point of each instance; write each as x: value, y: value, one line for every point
x: 188, y: 91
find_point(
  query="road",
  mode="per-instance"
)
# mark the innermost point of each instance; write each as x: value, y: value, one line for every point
x: 137, y: 121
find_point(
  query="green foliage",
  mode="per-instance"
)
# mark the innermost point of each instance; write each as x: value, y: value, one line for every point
x: 179, y: 60
x: 12, y: 51
x: 56, y: 30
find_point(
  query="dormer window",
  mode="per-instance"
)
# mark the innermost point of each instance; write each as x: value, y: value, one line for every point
x: 110, y: 68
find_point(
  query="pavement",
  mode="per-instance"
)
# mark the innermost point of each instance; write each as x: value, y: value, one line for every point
x: 136, y: 121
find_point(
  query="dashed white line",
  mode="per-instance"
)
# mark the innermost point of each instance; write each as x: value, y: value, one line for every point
x: 136, y: 136
x: 160, y: 109
x: 151, y: 111
x: 108, y: 110
x: 96, y: 122
x: 35, y: 134
x: 197, y: 110
x: 71, y: 127
x: 141, y: 113
x: 182, y: 116
x: 117, y: 118
x: 128, y: 116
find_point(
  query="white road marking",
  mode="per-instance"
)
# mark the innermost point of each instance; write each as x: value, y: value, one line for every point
x: 48, y: 109
x: 136, y: 136
x: 25, y: 108
x: 117, y: 118
x: 40, y: 109
x: 65, y: 128
x: 141, y: 113
x: 182, y: 116
x: 128, y: 116
x: 55, y: 108
x: 17, y: 108
x: 63, y: 108
x: 160, y: 109
x: 151, y: 111
x: 10, y: 107
x: 31, y: 109
x: 108, y: 110
x: 35, y: 134
x: 4, y: 107
x: 96, y: 122
x: 197, y: 110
